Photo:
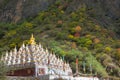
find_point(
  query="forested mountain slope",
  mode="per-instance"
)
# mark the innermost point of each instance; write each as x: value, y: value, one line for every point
x: 88, y: 29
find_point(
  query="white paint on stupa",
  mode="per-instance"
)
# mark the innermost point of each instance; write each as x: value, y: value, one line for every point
x: 42, y: 58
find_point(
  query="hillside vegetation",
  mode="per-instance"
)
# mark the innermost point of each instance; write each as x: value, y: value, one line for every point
x: 68, y: 34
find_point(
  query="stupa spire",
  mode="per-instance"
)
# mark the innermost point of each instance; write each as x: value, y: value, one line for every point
x: 32, y: 40
x: 15, y: 50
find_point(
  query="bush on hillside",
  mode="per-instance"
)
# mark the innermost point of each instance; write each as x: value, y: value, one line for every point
x: 3, y: 71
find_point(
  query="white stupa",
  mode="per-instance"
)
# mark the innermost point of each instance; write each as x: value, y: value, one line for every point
x: 34, y: 60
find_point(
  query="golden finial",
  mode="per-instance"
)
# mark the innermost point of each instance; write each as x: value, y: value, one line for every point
x: 32, y: 40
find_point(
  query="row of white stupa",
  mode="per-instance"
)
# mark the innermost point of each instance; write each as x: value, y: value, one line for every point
x: 37, y: 55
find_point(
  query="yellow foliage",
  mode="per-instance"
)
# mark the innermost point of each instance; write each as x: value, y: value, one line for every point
x: 89, y: 42
x: 11, y: 33
x: 108, y: 49
x: 26, y: 41
x: 12, y: 45
x: 62, y: 11
x: 88, y: 35
x: 70, y: 36
x: 28, y: 25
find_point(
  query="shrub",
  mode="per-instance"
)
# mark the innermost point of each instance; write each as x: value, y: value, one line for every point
x: 74, y: 16
x: 28, y: 25
x: 96, y: 40
x: 98, y: 45
x: 71, y: 37
x: 108, y: 49
x: 73, y: 24
x: 61, y: 35
x: 84, y: 42
x: 96, y: 66
x: 10, y: 33
x: 3, y: 71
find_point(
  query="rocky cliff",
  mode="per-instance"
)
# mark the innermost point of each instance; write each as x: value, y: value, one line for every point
x: 16, y: 10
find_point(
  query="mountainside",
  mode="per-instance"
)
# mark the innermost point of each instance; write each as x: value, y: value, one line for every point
x: 104, y: 12
x: 87, y: 29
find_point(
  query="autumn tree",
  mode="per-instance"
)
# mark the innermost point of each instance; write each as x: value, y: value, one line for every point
x: 96, y: 40
x: 77, y: 31
x: 108, y: 49
x: 117, y: 54
x: 74, y: 45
